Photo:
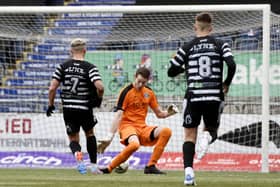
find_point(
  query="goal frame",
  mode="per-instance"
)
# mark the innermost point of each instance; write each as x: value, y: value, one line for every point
x: 265, y: 8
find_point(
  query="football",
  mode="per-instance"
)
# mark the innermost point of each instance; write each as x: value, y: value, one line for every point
x: 122, y: 168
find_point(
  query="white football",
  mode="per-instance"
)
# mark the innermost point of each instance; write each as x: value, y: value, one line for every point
x: 122, y: 168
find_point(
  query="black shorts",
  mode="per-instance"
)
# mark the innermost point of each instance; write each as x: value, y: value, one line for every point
x: 74, y: 119
x: 210, y: 111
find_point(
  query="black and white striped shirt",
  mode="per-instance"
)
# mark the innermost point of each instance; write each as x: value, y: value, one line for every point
x: 77, y: 78
x: 203, y: 61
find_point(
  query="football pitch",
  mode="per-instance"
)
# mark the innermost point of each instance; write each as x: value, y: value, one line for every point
x: 133, y: 178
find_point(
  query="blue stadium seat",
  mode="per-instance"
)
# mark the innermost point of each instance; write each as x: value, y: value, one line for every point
x: 88, y: 23
x: 32, y: 78
x: 41, y: 73
x: 144, y: 45
x: 38, y: 65
x: 17, y: 107
x: 247, y: 44
x: 66, y: 41
x: 169, y: 45
x: 275, y: 32
x: 26, y: 82
x: 48, y: 57
x: 251, y: 33
x: 228, y: 40
x: 79, y: 31
x: 92, y: 15
x: 275, y: 44
x: 21, y: 107
x: 18, y: 47
x: 24, y: 92
x: 50, y: 48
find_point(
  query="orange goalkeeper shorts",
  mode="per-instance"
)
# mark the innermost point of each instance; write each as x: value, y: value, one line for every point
x: 143, y: 134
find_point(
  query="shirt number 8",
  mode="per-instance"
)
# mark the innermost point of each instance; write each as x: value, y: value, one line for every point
x: 204, y: 63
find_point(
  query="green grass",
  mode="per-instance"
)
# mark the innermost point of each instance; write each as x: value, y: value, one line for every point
x: 70, y: 178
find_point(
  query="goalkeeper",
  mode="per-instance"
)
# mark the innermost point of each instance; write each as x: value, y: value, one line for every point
x: 131, y: 111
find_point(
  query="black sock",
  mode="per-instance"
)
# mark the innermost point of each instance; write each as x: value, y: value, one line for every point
x: 188, y: 153
x: 105, y: 170
x: 91, y: 148
x: 75, y: 146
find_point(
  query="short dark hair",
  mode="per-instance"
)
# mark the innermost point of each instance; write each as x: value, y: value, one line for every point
x: 144, y: 72
x: 204, y: 17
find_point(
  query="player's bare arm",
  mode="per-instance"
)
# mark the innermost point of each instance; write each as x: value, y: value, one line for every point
x: 100, y: 87
x: 52, y: 91
x: 116, y: 121
x: 104, y: 143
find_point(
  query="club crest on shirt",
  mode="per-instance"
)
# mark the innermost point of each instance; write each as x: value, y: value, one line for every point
x: 146, y: 95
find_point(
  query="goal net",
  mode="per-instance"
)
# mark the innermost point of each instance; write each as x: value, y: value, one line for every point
x: 34, y: 40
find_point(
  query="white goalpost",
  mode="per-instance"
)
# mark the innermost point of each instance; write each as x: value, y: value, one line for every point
x: 34, y: 40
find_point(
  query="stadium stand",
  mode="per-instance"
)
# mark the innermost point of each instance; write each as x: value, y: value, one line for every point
x: 144, y: 45
x: 169, y: 45
x: 248, y: 40
x: 274, y: 35
x: 247, y: 44
x: 29, y: 79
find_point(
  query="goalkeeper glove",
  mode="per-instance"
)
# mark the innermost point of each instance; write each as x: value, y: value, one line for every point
x: 172, y: 109
x: 50, y: 110
x: 103, y: 144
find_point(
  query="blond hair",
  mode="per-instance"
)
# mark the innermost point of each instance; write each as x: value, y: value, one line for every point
x: 204, y: 21
x: 78, y: 44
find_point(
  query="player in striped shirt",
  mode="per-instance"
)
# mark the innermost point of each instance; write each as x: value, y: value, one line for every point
x: 201, y: 59
x: 81, y: 90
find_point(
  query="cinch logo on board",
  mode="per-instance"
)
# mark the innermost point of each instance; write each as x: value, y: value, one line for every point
x: 23, y: 159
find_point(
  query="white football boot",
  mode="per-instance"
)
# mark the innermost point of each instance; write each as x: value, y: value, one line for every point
x: 189, y: 177
x: 203, y: 144
x: 95, y: 170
